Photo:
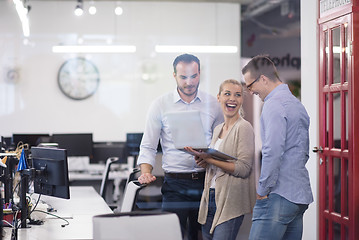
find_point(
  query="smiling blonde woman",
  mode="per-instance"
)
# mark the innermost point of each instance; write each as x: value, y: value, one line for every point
x: 229, y: 190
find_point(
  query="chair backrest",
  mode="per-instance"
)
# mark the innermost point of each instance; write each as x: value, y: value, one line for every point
x: 137, y: 225
x: 129, y: 197
x: 105, y: 174
x: 141, y: 196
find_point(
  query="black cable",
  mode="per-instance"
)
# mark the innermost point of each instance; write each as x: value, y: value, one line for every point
x: 28, y: 215
x: 37, y: 202
x: 14, y: 234
x: 34, y: 209
x: 18, y: 183
x: 15, y: 226
x: 63, y: 225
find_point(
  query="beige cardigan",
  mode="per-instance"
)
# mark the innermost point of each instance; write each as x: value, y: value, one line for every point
x: 235, y: 194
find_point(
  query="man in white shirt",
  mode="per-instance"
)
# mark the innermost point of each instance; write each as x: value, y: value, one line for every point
x: 183, y: 184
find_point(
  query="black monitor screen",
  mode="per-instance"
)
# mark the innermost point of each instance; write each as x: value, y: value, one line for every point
x: 133, y: 142
x: 52, y: 176
x: 7, y: 142
x: 31, y: 139
x: 104, y: 150
x: 76, y: 144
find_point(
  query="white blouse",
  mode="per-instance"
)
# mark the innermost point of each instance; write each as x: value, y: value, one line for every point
x: 213, y: 168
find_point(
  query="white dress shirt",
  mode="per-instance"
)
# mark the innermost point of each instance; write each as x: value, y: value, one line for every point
x: 157, y: 127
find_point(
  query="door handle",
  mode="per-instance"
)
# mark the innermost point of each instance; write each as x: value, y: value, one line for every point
x: 316, y: 149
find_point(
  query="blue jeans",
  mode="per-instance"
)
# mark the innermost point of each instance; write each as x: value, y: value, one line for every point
x: 277, y: 218
x: 182, y: 196
x: 224, y: 231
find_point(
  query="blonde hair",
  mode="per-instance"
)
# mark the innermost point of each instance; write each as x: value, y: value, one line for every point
x: 235, y: 82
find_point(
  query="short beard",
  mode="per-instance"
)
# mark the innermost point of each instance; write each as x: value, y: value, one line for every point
x: 188, y: 94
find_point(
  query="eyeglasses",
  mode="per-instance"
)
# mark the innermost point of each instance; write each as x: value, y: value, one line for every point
x: 250, y: 85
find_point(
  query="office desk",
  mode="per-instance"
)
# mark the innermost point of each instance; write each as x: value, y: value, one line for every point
x: 113, y: 190
x: 86, y: 176
x: 85, y: 203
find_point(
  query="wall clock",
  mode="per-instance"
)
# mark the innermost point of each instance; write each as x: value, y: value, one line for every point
x: 78, y: 78
x: 12, y: 75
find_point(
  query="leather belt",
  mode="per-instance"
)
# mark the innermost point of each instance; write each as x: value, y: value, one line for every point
x: 192, y: 175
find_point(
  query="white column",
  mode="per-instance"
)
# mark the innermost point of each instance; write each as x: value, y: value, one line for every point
x: 309, y: 96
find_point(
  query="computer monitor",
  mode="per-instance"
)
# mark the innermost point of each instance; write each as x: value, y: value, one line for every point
x: 76, y: 144
x: 51, y: 177
x: 104, y: 150
x: 33, y: 139
x: 133, y: 142
x: 2, y: 144
x: 6, y: 143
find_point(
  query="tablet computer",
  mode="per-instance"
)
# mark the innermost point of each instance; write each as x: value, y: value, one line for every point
x: 187, y: 131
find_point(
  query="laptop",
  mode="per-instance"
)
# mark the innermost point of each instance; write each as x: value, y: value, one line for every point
x: 187, y: 131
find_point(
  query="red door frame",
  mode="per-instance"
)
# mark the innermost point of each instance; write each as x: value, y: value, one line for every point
x: 327, y: 214
x: 354, y: 120
x: 352, y: 154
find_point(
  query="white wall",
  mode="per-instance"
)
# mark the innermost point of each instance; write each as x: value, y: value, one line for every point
x: 309, y: 54
x: 36, y: 104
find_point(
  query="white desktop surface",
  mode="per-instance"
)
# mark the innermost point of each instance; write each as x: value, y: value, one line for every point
x: 85, y: 176
x: 84, y: 203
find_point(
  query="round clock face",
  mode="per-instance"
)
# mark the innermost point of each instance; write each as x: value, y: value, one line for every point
x: 78, y: 78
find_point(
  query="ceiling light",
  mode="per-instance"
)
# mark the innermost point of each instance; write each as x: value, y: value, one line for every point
x: 79, y: 8
x: 195, y: 49
x: 118, y: 9
x: 22, y: 11
x: 92, y: 8
x: 94, y: 49
x: 78, y: 11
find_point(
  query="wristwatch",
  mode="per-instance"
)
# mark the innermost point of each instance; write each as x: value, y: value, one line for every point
x: 78, y: 78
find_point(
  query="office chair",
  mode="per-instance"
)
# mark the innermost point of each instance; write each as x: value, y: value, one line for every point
x: 137, y: 225
x: 139, y: 197
x: 130, y: 195
x: 105, y: 174
x: 105, y: 177
x: 150, y: 197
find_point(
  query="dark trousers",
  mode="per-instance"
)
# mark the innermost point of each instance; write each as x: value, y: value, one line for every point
x: 182, y: 196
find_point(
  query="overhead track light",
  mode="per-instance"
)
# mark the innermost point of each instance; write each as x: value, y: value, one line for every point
x: 195, y: 49
x: 118, y: 9
x: 22, y: 10
x: 92, y: 8
x: 94, y: 49
x: 79, y: 8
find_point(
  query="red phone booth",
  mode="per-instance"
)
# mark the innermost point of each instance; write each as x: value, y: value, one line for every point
x: 338, y: 151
